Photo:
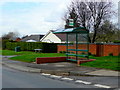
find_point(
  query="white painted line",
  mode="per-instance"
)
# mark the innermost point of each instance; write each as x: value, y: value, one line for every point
x: 67, y: 79
x: 45, y: 74
x: 80, y: 81
x: 54, y: 76
x: 102, y: 86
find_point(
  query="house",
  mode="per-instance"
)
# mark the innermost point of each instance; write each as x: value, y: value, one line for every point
x: 17, y: 39
x: 32, y: 38
x: 50, y: 37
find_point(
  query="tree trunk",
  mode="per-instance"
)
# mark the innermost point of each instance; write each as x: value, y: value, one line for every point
x: 94, y: 36
x: 89, y: 39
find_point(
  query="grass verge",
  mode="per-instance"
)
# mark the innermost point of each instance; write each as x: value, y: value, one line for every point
x: 10, y: 52
x: 28, y: 56
x: 106, y: 62
x: 32, y: 57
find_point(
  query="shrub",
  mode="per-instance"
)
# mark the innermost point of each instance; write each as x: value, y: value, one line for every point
x: 49, y: 47
x: 30, y: 46
x: 4, y: 43
x: 111, y: 54
x: 83, y: 53
x: 62, y: 51
x: 94, y: 55
x: 119, y: 54
x: 117, y: 41
x: 89, y: 53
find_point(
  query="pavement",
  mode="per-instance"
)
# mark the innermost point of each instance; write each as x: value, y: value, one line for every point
x: 59, y: 68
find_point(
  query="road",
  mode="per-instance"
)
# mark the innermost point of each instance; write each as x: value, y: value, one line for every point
x: 16, y: 79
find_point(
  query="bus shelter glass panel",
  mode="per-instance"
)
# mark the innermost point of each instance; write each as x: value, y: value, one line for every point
x: 71, y: 46
x: 82, y: 46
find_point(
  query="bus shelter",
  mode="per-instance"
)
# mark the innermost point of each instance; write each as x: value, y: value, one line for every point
x: 77, y: 44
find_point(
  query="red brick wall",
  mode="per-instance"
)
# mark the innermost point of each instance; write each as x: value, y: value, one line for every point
x: 99, y: 50
x: 92, y: 48
x: 40, y: 60
x: 61, y: 48
x: 115, y: 49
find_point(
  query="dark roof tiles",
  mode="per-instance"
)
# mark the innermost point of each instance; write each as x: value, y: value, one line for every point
x: 33, y: 37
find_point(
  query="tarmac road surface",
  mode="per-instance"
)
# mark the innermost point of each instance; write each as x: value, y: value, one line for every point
x: 17, y: 79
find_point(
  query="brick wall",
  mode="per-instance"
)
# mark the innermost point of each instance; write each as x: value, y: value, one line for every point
x: 92, y: 48
x: 97, y: 49
x: 40, y: 60
x: 115, y: 49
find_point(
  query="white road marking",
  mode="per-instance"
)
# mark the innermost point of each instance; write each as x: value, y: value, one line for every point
x: 80, y: 81
x: 54, y: 76
x: 102, y: 86
x: 67, y: 79
x: 77, y: 81
x: 45, y: 74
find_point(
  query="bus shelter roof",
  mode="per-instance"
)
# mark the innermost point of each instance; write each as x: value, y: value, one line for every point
x: 73, y: 30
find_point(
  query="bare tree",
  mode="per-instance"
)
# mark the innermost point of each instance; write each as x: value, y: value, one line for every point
x: 72, y: 15
x: 106, y: 32
x: 90, y: 15
x: 10, y: 35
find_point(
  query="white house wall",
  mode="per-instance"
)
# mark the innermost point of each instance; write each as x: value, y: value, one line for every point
x: 51, y: 38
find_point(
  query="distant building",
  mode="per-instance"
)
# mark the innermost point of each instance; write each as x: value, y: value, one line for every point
x: 50, y: 37
x: 18, y: 39
x: 15, y: 39
x: 32, y: 38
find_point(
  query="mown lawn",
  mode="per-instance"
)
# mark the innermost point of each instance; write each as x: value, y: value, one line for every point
x: 28, y: 56
x: 32, y: 57
x: 10, y: 52
x: 106, y: 62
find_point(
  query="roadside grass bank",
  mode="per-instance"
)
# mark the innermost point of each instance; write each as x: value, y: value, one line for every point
x: 28, y: 56
x: 106, y: 62
x: 10, y: 52
x: 32, y: 57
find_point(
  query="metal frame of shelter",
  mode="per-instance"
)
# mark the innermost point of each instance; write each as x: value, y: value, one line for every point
x: 77, y: 45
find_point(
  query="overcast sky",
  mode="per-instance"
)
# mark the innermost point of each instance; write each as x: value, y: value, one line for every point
x: 32, y: 16
x: 119, y: 15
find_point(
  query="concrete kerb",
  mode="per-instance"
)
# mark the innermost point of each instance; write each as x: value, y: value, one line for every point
x: 21, y: 68
x: 71, y: 73
x: 11, y: 66
x: 33, y: 70
x: 53, y: 72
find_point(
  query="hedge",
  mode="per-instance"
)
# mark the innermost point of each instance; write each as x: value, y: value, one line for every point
x: 49, y: 47
x: 117, y: 41
x: 30, y: 46
x: 4, y: 44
